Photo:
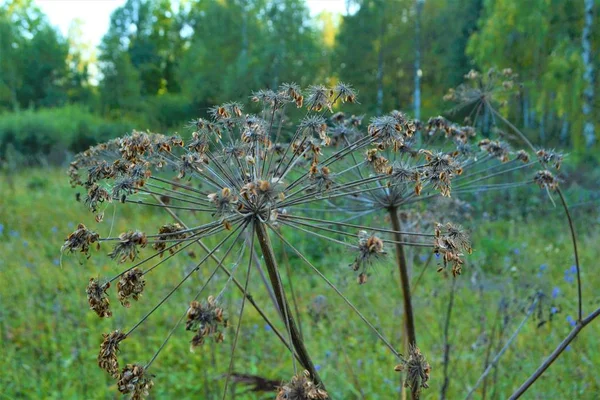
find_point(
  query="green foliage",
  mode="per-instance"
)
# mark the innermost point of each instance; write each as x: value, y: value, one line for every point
x: 36, y: 134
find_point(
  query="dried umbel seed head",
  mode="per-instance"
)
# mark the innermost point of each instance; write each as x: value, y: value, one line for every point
x: 546, y: 180
x: 81, y: 240
x: 319, y: 98
x: 550, y: 157
x: 127, y: 247
x: 417, y: 371
x: 225, y: 201
x: 301, y: 387
x: 96, y: 195
x: 495, y: 148
x: 523, y: 156
x: 205, y: 319
x: 169, y: 232
x: 97, y: 298
x: 370, y: 248
x: 132, y: 285
x: 379, y: 163
x: 135, y: 381
x: 107, y: 358
x: 451, y: 242
x: 320, y: 177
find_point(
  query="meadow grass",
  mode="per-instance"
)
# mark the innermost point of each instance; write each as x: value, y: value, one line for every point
x: 50, y: 339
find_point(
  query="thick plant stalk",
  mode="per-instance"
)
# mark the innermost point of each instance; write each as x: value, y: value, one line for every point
x: 409, y: 322
x: 404, y: 281
x: 296, y: 338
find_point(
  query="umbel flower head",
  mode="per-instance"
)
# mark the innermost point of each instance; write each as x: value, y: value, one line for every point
x: 107, y: 358
x: 244, y: 179
x: 134, y: 380
x: 417, y: 371
x: 205, y: 319
x: 301, y: 387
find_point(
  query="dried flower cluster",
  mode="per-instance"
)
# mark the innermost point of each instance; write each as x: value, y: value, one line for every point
x: 450, y: 242
x: 107, y: 358
x: 98, y: 299
x: 370, y: 248
x: 131, y: 284
x: 301, y: 387
x: 134, y: 380
x: 417, y: 371
x: 205, y: 319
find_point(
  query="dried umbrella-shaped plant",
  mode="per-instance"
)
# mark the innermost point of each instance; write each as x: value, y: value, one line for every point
x: 239, y: 173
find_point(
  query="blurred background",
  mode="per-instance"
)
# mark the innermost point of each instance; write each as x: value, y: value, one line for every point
x: 75, y: 73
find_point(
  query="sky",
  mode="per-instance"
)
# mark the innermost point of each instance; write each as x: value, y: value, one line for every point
x: 95, y: 14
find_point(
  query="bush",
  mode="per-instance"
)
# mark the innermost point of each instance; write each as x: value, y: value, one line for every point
x: 36, y: 134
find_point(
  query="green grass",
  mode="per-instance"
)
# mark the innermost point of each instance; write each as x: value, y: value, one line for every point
x: 49, y: 338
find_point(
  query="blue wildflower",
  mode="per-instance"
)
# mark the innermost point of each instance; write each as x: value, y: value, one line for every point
x: 268, y: 327
x: 553, y: 310
x: 571, y: 321
x: 543, y: 267
x: 318, y: 367
x: 573, y: 269
x: 517, y: 252
x: 423, y: 257
x: 14, y: 233
x: 555, y: 292
x: 56, y: 261
x: 1, y: 229
x: 54, y: 229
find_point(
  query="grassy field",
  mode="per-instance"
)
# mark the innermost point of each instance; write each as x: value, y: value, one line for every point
x: 50, y: 339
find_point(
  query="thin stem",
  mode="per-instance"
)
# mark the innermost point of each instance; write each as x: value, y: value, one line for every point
x: 237, y: 331
x: 576, y: 253
x: 446, y: 383
x: 503, y: 350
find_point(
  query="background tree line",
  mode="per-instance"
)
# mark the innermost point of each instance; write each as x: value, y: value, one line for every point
x: 162, y: 63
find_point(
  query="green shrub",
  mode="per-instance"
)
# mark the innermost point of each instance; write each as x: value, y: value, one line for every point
x: 35, y: 134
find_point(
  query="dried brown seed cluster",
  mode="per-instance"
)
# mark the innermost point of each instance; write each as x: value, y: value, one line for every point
x: 545, y: 179
x: 457, y: 133
x: 523, y: 156
x: 440, y: 169
x: 370, y: 248
x: 417, y: 370
x: 225, y: 201
x: 321, y: 178
x: 96, y: 195
x: 136, y: 145
x: 495, y: 148
x: 379, y: 163
x: 301, y: 387
x: 205, y: 319
x: 131, y: 284
x: 135, y: 381
x: 81, y: 239
x: 451, y: 241
x: 550, y: 157
x: 107, y: 358
x: 169, y: 232
x: 127, y: 247
x: 191, y: 163
x: 98, y: 299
